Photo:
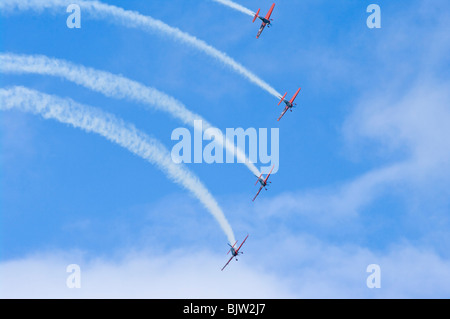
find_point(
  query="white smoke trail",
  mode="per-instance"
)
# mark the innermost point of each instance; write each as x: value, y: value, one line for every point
x: 116, y: 87
x: 236, y: 6
x: 117, y: 131
x: 132, y: 19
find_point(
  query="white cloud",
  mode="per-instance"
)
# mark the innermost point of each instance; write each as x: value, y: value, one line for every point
x: 187, y: 274
x: 416, y: 122
x: 316, y: 270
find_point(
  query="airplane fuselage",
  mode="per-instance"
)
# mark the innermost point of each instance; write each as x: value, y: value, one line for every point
x: 288, y: 104
x: 266, y: 21
x: 262, y: 182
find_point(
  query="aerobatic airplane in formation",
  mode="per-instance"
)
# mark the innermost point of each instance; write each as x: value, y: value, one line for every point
x: 263, y: 182
x: 234, y: 252
x: 265, y: 20
x: 289, y: 104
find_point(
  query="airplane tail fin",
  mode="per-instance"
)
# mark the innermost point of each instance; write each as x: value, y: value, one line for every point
x: 256, y: 15
x: 282, y: 99
x: 258, y: 179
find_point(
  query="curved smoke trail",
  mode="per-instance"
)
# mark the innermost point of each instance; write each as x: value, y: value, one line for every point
x: 236, y: 6
x: 133, y: 19
x: 115, y: 130
x: 116, y: 87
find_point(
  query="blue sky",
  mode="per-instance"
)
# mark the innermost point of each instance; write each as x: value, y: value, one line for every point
x: 364, y: 162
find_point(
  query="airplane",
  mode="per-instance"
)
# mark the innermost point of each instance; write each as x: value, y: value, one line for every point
x: 263, y: 183
x: 234, y: 252
x: 289, y: 104
x: 265, y: 20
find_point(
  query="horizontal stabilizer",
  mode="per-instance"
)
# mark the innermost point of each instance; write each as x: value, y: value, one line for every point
x: 282, y: 99
x: 258, y: 179
x: 256, y: 15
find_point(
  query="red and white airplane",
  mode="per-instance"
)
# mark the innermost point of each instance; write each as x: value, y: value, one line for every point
x: 289, y: 104
x: 234, y: 252
x: 263, y: 183
x: 265, y: 20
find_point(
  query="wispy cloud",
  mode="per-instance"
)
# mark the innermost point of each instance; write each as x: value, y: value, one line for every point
x: 414, y: 124
x: 399, y: 126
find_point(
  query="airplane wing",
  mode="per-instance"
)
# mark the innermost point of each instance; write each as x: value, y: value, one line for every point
x: 261, y: 29
x: 242, y: 243
x: 257, y: 194
x: 270, y: 12
x: 267, y: 177
x: 285, y: 110
x: 295, y: 95
x: 227, y: 263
